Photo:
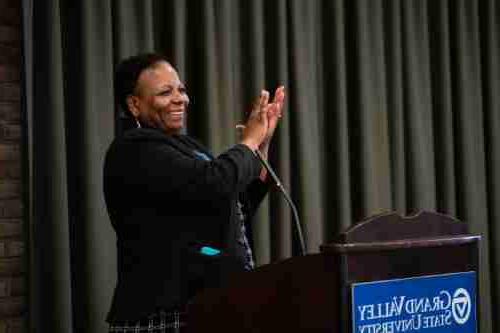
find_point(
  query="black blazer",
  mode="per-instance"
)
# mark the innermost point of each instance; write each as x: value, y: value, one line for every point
x: 165, y: 202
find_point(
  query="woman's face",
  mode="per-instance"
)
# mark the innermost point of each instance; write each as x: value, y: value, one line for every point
x: 160, y: 99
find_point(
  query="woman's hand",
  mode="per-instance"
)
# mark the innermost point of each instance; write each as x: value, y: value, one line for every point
x: 255, y: 130
x: 262, y: 121
x: 274, y: 113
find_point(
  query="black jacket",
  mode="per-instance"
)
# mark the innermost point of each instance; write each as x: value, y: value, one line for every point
x: 165, y: 202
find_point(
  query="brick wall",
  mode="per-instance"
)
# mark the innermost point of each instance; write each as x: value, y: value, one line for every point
x: 12, y: 277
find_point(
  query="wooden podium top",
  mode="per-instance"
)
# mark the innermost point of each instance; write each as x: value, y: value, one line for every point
x: 392, y: 226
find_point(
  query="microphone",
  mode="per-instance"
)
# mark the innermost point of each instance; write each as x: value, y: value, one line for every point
x: 277, y: 182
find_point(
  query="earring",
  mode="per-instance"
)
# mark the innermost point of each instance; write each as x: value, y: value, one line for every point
x: 137, y: 123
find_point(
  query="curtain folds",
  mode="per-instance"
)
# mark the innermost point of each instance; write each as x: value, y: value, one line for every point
x: 392, y: 105
x: 49, y: 270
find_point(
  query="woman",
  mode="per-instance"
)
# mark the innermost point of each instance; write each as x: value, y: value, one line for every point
x: 178, y: 212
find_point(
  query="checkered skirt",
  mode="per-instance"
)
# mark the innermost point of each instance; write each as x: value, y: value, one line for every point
x: 163, y: 322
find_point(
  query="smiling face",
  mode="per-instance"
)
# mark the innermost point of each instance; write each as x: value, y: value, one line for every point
x: 160, y: 99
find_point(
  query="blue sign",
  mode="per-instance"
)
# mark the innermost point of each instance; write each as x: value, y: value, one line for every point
x: 431, y: 304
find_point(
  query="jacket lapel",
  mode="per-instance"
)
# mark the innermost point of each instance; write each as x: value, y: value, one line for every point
x: 182, y: 143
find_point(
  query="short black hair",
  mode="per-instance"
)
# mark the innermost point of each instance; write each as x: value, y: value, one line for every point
x: 127, y: 73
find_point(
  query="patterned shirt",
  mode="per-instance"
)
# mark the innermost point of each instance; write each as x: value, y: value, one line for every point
x: 162, y: 322
x: 243, y: 240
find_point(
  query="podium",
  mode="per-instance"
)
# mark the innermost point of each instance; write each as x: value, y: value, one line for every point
x: 388, y: 273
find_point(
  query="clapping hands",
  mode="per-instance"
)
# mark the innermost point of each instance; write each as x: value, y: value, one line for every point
x: 274, y: 112
x: 263, y: 120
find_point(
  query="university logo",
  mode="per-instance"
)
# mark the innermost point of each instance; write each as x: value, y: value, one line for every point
x: 461, y: 306
x: 444, y: 303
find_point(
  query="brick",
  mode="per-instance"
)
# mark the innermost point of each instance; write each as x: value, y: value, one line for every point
x: 12, y: 286
x: 10, y: 112
x: 11, y: 266
x: 18, y: 286
x: 17, y: 325
x: 5, y: 287
x: 9, y: 73
x: 10, y: 152
x: 10, y: 92
x: 10, y: 12
x: 10, y: 189
x: 10, y: 17
x: 14, y: 248
x: 11, y: 228
x: 12, y: 306
x: 10, y: 169
x: 11, y: 248
x: 10, y: 54
x: 10, y: 34
x: 10, y: 132
x: 11, y: 208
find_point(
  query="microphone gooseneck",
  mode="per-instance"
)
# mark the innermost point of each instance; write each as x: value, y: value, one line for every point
x: 277, y: 182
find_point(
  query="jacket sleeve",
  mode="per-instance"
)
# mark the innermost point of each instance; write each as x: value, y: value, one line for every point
x: 164, y: 169
x: 253, y: 196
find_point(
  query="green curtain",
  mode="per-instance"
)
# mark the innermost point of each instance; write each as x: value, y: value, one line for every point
x: 392, y: 105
